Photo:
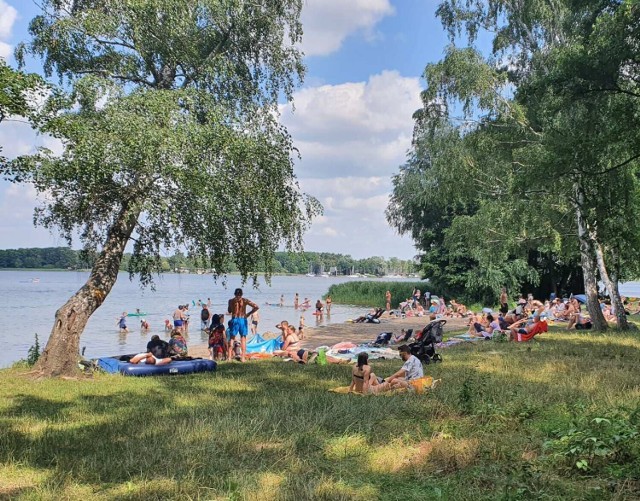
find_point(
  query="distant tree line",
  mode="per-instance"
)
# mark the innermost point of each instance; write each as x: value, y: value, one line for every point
x: 49, y: 257
x: 284, y: 262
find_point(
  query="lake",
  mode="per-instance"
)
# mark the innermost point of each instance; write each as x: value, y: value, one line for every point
x: 31, y: 299
x: 30, y: 307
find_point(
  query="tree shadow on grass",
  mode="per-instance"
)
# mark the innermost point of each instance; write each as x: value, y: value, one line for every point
x: 272, y: 422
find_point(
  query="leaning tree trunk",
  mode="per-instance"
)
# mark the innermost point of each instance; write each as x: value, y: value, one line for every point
x: 588, y: 265
x: 60, y: 357
x: 612, y: 288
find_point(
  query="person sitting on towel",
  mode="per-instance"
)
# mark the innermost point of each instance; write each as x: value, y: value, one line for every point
x: 362, y: 378
x: 157, y: 353
x: 410, y: 371
x: 177, y: 344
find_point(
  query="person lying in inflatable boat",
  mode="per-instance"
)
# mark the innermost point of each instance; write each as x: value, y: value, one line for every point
x: 157, y: 353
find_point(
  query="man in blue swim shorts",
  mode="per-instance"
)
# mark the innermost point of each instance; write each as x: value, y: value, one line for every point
x: 238, y: 324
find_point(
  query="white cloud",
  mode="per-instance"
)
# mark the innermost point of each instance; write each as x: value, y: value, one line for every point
x: 361, y: 127
x: 327, y: 23
x: 8, y: 16
x: 5, y: 50
x: 354, y: 221
x: 352, y: 138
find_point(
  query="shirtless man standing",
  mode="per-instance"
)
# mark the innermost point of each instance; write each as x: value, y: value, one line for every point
x: 238, y: 310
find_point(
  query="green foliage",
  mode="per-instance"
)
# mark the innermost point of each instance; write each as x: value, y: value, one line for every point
x: 596, y: 445
x: 16, y: 90
x: 34, y: 352
x: 50, y: 257
x: 548, y: 136
x: 284, y: 262
x: 170, y: 129
x: 370, y: 293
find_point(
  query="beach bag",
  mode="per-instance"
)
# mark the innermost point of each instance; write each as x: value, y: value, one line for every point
x: 322, y: 357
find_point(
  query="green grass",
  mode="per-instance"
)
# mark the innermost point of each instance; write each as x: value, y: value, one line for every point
x: 503, y: 425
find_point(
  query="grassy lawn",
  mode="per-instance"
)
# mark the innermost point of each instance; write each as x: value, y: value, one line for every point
x: 554, y: 419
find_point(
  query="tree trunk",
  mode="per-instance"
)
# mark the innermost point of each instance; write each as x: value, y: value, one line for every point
x: 60, y: 357
x: 612, y: 287
x: 588, y: 265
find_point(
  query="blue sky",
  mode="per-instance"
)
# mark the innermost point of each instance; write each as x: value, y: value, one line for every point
x: 352, y: 119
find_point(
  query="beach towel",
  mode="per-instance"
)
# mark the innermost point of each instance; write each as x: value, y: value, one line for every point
x: 418, y: 386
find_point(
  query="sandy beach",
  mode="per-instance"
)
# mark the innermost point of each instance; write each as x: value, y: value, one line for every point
x: 349, y: 331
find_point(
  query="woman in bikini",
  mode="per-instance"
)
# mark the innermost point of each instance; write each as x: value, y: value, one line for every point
x: 362, y: 379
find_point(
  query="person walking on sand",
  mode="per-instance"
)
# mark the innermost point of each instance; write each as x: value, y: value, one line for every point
x: 387, y: 298
x: 238, y: 324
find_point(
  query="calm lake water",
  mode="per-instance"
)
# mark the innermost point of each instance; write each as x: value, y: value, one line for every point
x: 30, y: 307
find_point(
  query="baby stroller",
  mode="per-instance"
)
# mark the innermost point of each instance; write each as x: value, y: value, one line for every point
x: 424, y: 348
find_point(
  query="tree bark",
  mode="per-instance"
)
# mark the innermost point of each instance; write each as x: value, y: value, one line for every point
x: 588, y: 265
x: 60, y: 357
x: 611, y: 283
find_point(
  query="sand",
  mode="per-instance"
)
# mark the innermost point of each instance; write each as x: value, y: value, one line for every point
x: 357, y: 333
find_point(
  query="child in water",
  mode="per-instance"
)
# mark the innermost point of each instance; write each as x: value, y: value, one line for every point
x: 122, y: 323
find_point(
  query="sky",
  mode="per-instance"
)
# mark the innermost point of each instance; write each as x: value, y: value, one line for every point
x: 351, y: 120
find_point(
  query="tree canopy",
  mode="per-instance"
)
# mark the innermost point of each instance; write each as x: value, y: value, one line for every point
x: 168, y: 114
x: 531, y: 150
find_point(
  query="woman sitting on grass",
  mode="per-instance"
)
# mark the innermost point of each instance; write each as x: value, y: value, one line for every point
x: 362, y: 379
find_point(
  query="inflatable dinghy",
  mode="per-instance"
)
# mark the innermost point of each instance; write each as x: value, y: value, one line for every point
x: 114, y: 365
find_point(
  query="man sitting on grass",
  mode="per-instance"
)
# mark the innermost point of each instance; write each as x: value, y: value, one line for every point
x: 410, y: 371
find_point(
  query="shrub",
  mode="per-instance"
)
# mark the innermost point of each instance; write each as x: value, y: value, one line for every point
x: 34, y: 352
x: 608, y: 444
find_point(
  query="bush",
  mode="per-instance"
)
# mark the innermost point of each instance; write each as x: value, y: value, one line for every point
x: 610, y: 444
x: 34, y: 353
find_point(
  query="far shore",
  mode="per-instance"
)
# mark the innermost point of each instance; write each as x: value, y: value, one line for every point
x: 357, y: 333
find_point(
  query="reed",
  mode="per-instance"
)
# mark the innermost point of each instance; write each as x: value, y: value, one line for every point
x: 370, y: 293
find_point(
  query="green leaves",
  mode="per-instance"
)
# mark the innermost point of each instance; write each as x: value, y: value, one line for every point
x: 171, y: 117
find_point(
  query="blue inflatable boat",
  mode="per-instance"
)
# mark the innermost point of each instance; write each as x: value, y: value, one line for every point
x: 113, y: 365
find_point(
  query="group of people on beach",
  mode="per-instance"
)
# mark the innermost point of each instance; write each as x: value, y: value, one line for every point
x: 221, y: 340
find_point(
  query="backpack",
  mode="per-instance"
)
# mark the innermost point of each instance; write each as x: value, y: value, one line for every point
x: 204, y: 314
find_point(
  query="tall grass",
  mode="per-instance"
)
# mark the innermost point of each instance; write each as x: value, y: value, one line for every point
x: 369, y: 293
x: 504, y: 424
